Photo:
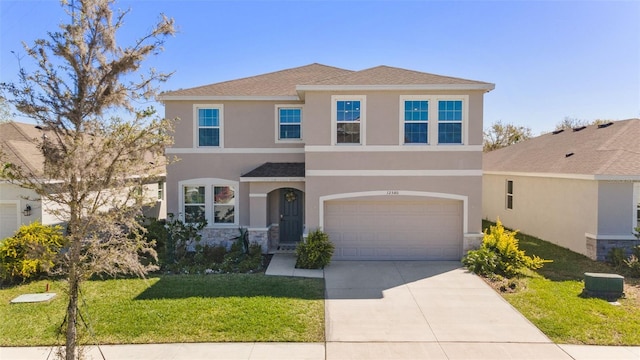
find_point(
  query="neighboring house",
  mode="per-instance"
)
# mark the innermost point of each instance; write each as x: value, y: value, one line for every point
x: 18, y: 206
x: 578, y: 188
x: 387, y: 161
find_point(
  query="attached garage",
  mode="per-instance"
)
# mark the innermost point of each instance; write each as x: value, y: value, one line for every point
x: 8, y: 219
x: 374, y: 229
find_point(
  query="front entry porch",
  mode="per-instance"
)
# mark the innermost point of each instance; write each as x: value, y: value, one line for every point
x: 276, y: 205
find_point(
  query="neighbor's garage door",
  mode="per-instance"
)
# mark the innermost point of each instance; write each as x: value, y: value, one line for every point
x: 395, y: 230
x: 8, y: 220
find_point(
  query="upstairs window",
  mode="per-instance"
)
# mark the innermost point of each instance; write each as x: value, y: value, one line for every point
x: 289, y: 123
x: 349, y: 121
x: 416, y: 125
x: 450, y: 122
x: 209, y: 129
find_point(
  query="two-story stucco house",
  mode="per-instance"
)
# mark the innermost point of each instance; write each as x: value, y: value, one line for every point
x: 387, y: 161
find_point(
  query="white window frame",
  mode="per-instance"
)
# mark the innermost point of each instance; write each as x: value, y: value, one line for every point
x: 209, y: 184
x: 363, y: 118
x: 196, y: 125
x: 508, y: 195
x: 277, y: 120
x: 404, y: 98
x: 436, y: 119
x: 433, y: 122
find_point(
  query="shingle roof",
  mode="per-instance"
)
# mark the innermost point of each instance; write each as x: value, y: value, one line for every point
x: 277, y: 170
x: 285, y: 82
x: 279, y: 83
x: 19, y: 145
x: 387, y: 75
x: 613, y: 150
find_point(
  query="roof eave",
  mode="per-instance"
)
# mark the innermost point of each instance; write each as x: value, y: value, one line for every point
x: 163, y: 98
x: 430, y: 87
x: 595, y: 177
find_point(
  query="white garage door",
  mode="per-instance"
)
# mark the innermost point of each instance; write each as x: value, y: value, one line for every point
x: 395, y: 230
x: 8, y: 220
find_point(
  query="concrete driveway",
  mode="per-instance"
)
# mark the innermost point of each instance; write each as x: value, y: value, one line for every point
x: 422, y: 309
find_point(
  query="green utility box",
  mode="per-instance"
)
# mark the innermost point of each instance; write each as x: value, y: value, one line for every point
x: 602, y: 285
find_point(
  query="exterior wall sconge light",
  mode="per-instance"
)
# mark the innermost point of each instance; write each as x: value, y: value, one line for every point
x: 27, y: 210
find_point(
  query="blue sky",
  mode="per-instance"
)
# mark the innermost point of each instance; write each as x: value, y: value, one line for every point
x: 548, y: 59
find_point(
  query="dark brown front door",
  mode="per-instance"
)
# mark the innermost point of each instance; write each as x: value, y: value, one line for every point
x: 290, y: 215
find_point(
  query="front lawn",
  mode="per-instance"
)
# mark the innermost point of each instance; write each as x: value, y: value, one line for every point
x: 551, y: 299
x: 178, y: 308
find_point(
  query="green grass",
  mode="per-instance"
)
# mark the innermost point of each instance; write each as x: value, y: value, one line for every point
x: 551, y: 299
x: 185, y: 308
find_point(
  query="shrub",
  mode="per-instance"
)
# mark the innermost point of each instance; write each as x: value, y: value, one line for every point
x: 615, y: 257
x: 315, y: 252
x: 499, y: 255
x: 31, y: 252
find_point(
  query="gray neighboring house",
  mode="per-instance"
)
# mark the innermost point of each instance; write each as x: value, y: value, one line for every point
x: 20, y: 206
x: 578, y: 188
x: 387, y: 161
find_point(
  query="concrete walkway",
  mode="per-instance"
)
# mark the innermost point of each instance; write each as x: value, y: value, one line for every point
x: 386, y: 310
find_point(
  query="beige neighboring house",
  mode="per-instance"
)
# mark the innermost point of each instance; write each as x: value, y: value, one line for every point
x: 18, y: 206
x: 387, y: 161
x: 578, y: 188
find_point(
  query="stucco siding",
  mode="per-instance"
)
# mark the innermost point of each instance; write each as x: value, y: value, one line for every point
x: 219, y: 166
x: 382, y: 122
x: 557, y: 210
x: 467, y: 187
x: 615, y: 208
x: 431, y: 160
x: 246, y: 124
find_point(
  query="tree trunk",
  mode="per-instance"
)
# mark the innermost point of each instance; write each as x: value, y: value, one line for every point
x: 72, y: 315
x: 74, y: 278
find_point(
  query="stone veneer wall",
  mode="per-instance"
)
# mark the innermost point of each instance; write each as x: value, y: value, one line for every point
x: 274, y: 236
x: 225, y: 237
x: 597, y: 249
x: 219, y: 236
x: 471, y: 242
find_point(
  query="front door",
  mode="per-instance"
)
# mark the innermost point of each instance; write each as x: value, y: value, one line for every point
x: 290, y: 215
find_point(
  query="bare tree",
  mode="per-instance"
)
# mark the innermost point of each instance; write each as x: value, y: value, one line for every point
x: 5, y: 111
x: 500, y: 135
x: 99, y: 146
x: 574, y: 123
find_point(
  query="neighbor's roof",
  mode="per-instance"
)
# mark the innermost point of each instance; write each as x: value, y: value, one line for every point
x: 291, y: 83
x: 19, y: 145
x: 602, y: 152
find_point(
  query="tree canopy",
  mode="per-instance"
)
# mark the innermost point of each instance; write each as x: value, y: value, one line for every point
x: 499, y: 135
x: 99, y: 146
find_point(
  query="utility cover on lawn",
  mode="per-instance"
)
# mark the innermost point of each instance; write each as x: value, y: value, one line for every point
x: 31, y: 298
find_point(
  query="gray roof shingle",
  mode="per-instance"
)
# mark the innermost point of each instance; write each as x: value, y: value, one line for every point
x: 277, y: 170
x: 285, y: 82
x: 278, y: 83
x: 613, y: 150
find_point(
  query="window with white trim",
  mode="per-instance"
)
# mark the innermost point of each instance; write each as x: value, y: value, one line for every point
x: 213, y: 200
x: 416, y: 121
x: 289, y: 123
x: 348, y: 120
x: 194, y: 204
x: 208, y: 120
x: 450, y: 121
x: 509, y: 195
x: 224, y: 205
